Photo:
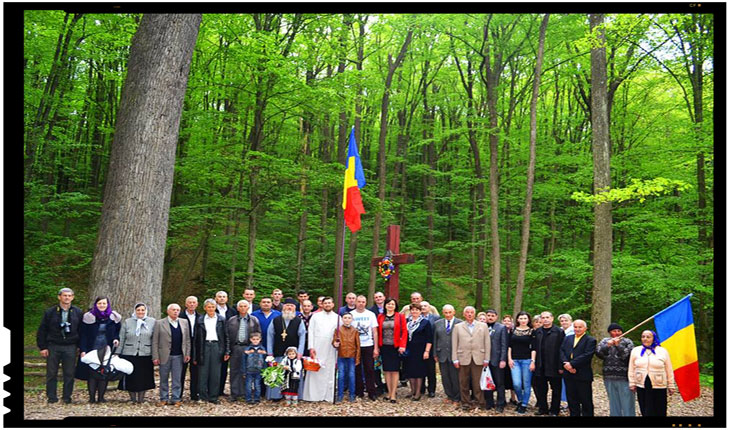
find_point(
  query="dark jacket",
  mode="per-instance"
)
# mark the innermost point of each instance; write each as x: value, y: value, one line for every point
x: 547, y: 344
x: 191, y: 322
x: 87, y: 334
x: 582, y: 354
x: 230, y: 312
x: 234, y: 323
x: 200, y: 332
x: 498, y: 336
x: 615, y: 358
x: 374, y: 309
x: 49, y: 332
x: 89, y: 330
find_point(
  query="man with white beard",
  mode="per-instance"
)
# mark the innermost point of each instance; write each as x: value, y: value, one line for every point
x: 320, y: 386
x: 284, y: 331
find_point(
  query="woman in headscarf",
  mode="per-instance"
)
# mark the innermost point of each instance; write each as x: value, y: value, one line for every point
x: 651, y: 375
x: 420, y: 338
x: 135, y: 345
x: 99, y: 328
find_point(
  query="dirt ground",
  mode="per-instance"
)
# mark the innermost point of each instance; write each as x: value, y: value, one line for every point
x: 118, y: 404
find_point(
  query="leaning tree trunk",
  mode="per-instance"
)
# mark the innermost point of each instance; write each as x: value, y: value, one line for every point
x: 525, y: 240
x: 130, y: 249
x: 603, y: 239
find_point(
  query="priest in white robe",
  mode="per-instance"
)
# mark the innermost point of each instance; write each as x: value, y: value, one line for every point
x: 320, y: 386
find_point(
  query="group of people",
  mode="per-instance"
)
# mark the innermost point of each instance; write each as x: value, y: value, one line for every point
x: 354, y: 349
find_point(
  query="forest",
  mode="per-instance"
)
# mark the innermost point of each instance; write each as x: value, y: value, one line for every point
x: 477, y: 134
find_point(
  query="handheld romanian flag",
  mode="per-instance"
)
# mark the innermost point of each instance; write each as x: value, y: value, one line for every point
x: 354, y: 180
x: 675, y: 325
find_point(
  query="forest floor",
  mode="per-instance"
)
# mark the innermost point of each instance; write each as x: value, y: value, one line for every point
x: 118, y: 405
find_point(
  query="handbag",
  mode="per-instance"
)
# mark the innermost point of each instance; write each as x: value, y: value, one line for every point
x: 486, y: 382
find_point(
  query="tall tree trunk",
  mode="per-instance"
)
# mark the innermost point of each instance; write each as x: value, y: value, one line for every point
x: 429, y: 182
x: 525, y: 239
x: 479, y: 221
x: 603, y: 239
x: 493, y: 72
x: 130, y: 249
x: 302, y: 236
x: 392, y: 66
x: 342, y: 159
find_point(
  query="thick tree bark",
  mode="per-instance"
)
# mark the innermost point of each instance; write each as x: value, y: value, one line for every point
x: 130, y: 249
x: 392, y: 66
x: 525, y: 238
x: 603, y: 235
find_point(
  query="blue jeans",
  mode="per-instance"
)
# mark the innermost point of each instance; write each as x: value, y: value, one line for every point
x: 620, y: 398
x: 521, y: 379
x: 253, y: 380
x: 346, y: 374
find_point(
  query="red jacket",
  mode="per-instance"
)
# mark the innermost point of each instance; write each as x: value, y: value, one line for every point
x: 400, y: 331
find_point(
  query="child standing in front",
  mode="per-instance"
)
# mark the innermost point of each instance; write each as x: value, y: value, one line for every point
x: 292, y: 374
x: 347, y: 342
x: 252, y: 367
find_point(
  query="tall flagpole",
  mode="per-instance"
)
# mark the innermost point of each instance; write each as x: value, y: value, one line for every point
x: 339, y: 297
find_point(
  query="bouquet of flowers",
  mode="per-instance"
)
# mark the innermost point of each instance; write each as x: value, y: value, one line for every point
x: 273, y: 375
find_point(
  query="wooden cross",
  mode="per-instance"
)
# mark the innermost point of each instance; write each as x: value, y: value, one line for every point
x: 393, y: 245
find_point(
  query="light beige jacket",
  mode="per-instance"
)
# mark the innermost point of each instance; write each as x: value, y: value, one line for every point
x: 470, y: 347
x: 658, y: 366
x: 162, y: 339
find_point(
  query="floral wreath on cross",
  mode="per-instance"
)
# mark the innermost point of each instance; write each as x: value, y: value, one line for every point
x: 386, y: 268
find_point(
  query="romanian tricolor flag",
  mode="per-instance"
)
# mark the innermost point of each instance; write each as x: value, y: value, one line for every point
x: 675, y: 327
x: 354, y: 180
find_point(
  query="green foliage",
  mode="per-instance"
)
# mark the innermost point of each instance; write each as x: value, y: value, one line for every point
x: 637, y: 190
x: 287, y: 79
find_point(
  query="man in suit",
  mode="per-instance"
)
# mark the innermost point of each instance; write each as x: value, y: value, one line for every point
x: 548, y: 367
x: 378, y: 303
x: 211, y: 349
x: 190, y: 315
x: 378, y: 308
x: 442, y: 331
x: 249, y: 295
x: 222, y: 308
x: 170, y: 348
x: 239, y: 329
x: 497, y: 359
x: 430, y: 364
x: 470, y: 352
x: 575, y: 355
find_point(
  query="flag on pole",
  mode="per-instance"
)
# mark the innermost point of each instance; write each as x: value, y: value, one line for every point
x: 354, y: 180
x: 675, y: 327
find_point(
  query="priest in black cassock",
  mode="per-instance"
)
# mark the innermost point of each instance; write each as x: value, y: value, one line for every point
x: 284, y: 331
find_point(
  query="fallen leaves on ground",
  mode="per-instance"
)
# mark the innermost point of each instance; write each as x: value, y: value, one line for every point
x: 118, y: 404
